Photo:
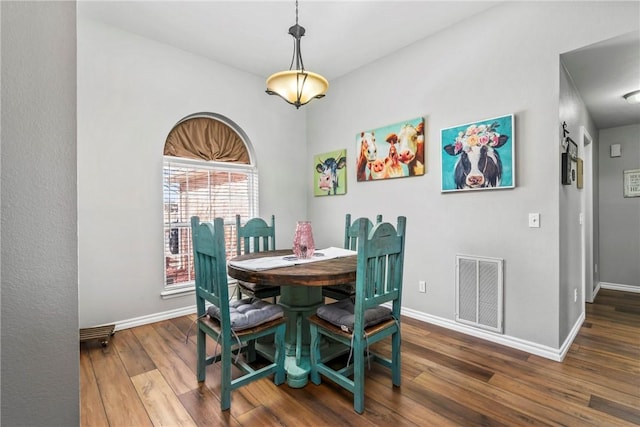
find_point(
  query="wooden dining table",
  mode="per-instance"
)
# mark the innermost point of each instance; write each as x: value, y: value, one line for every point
x: 300, y: 296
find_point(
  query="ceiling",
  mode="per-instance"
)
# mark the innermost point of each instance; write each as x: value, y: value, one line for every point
x: 342, y: 36
x: 602, y: 73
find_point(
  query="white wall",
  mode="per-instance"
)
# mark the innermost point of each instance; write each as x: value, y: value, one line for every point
x: 469, y: 72
x: 131, y: 92
x: 619, y: 216
x: 40, y: 371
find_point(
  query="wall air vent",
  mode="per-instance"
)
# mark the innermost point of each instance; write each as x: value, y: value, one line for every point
x: 479, y: 286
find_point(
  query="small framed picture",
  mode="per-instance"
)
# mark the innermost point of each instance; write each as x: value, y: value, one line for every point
x: 566, y: 169
x: 631, y: 179
x: 572, y: 149
x: 580, y: 173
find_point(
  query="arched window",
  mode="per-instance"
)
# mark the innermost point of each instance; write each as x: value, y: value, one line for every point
x: 209, y: 171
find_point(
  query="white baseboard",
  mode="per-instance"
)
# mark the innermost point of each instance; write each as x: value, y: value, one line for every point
x: 166, y: 315
x: 156, y: 317
x: 527, y: 346
x: 595, y: 292
x: 572, y: 336
x: 619, y: 287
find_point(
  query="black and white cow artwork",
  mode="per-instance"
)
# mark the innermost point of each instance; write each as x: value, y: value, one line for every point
x: 328, y: 170
x: 479, y: 164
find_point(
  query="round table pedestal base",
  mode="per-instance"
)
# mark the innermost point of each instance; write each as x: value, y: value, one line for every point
x: 297, y: 374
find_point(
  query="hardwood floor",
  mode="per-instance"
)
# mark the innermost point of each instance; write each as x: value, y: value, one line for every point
x: 146, y: 377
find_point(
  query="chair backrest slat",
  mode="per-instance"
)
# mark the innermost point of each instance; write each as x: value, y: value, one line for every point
x: 255, y: 236
x: 351, y: 231
x: 380, y: 267
x: 210, y: 264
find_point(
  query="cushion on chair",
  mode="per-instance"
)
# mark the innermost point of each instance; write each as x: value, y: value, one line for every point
x: 249, y: 312
x: 343, y: 288
x: 341, y: 314
x: 254, y: 286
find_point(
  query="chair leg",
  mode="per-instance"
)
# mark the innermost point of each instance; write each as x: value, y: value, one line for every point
x: 395, y: 359
x: 314, y: 354
x: 225, y: 379
x: 279, y: 356
x: 201, y: 349
x: 358, y: 379
x: 251, y: 351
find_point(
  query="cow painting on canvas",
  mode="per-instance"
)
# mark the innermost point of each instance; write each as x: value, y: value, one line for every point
x: 398, y: 152
x: 478, y: 155
x: 368, y: 154
x: 330, y: 176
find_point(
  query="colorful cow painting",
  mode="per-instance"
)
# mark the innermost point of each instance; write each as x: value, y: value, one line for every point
x: 330, y: 177
x: 477, y: 156
x: 393, y: 151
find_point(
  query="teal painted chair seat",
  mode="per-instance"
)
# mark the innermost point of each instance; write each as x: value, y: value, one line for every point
x: 342, y: 314
x: 247, y: 313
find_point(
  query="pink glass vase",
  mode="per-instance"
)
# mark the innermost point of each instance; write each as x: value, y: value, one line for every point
x: 303, y: 246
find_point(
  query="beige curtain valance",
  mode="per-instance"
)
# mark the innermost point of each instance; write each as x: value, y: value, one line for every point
x: 204, y: 138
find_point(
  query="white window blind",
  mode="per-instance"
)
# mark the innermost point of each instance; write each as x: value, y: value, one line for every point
x: 208, y: 190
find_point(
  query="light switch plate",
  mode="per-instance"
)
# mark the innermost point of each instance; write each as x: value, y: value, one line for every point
x: 534, y: 220
x: 615, y: 150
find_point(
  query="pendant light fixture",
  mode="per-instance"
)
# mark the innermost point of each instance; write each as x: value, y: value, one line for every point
x: 633, y: 97
x: 297, y: 86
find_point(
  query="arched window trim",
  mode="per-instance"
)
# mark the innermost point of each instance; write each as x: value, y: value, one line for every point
x: 186, y: 287
x: 210, y: 163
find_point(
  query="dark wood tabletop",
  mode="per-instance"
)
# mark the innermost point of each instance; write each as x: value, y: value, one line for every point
x: 333, y: 271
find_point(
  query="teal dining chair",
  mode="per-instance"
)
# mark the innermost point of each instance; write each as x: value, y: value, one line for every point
x: 363, y: 321
x: 351, y: 230
x: 256, y: 236
x: 234, y: 326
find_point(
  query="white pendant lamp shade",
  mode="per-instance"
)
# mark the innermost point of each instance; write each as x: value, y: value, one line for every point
x: 297, y: 87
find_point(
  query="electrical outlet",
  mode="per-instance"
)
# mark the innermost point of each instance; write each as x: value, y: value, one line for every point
x: 575, y: 294
x: 422, y: 286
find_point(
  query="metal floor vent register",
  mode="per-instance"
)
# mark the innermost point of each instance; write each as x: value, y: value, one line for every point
x: 102, y: 333
x: 479, y: 286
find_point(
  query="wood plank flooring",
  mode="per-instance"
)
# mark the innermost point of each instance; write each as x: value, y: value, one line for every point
x: 146, y: 377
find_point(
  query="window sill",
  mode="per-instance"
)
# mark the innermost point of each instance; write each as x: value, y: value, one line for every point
x: 177, y: 292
